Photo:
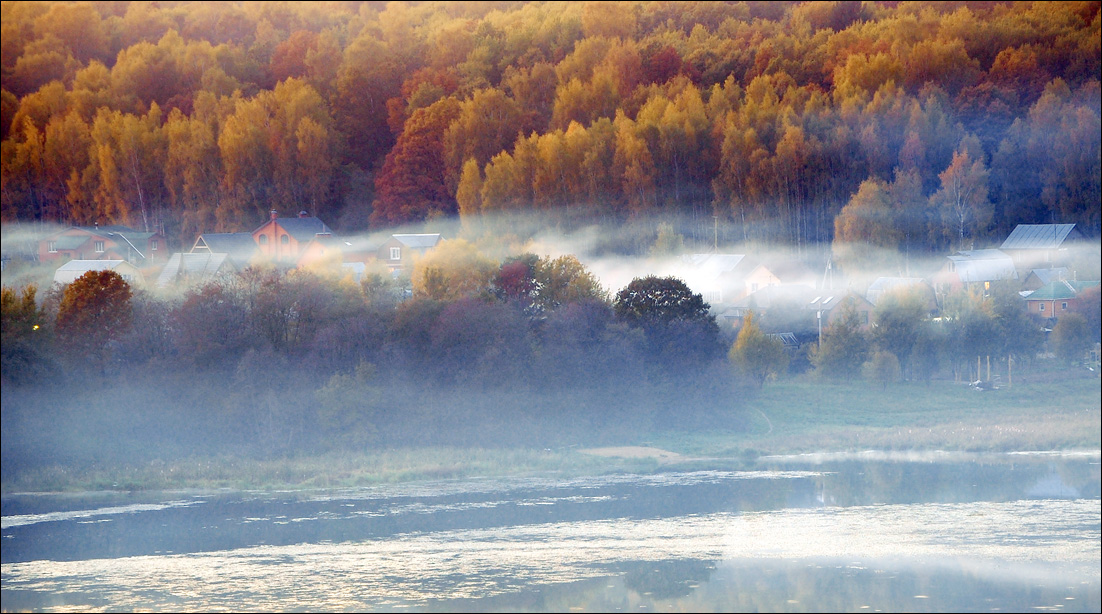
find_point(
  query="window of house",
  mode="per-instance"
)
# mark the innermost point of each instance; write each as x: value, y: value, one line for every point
x: 99, y: 247
x: 864, y: 317
x: 52, y: 247
x: 753, y: 287
x: 153, y: 245
x: 1042, y: 307
x: 284, y: 239
x: 1064, y: 306
x: 395, y: 253
x: 263, y: 239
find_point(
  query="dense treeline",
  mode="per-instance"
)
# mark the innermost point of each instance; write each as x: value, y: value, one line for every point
x: 528, y: 351
x: 917, y: 125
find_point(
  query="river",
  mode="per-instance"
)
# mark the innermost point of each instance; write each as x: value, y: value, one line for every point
x: 817, y: 533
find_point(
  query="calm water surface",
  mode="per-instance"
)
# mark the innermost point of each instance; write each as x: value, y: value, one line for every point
x: 922, y: 533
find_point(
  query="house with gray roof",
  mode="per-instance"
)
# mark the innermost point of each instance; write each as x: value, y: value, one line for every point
x: 194, y: 269
x: 1036, y: 245
x: 70, y: 271
x: 239, y: 247
x: 139, y: 248
x: 970, y: 267
x: 398, y: 252
x: 1035, y: 279
x: 283, y: 239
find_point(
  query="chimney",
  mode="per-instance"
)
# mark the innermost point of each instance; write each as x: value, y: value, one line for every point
x: 303, y: 214
x: 273, y: 213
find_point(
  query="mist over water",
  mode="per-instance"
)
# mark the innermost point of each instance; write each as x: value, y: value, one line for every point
x: 940, y: 533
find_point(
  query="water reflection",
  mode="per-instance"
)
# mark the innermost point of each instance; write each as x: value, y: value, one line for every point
x: 600, y: 545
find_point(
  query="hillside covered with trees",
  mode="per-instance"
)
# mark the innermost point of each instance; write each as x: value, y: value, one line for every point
x: 906, y: 125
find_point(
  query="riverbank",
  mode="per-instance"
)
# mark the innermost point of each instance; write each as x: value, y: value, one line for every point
x: 1051, y: 410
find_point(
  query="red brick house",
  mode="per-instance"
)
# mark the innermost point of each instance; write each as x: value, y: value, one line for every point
x: 283, y: 239
x: 1057, y: 298
x: 142, y: 249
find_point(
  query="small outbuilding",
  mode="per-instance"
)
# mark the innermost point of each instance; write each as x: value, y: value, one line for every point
x: 70, y: 271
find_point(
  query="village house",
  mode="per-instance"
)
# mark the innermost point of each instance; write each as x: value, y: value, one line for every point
x: 70, y: 271
x: 398, y: 252
x: 785, y: 272
x: 1057, y: 298
x: 716, y: 277
x: 141, y: 249
x: 1033, y: 246
x: 195, y: 269
x: 973, y: 267
x: 283, y: 239
x: 797, y: 309
x: 830, y: 308
x: 1036, y: 279
x: 335, y: 250
x: 240, y: 247
x: 777, y: 302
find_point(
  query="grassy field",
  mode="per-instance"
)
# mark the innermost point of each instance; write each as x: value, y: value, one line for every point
x: 1055, y: 409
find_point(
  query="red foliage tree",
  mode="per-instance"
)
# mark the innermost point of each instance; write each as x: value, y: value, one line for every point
x: 411, y: 183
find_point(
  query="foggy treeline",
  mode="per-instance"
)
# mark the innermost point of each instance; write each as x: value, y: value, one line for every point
x: 917, y: 125
x: 467, y: 349
x: 531, y: 351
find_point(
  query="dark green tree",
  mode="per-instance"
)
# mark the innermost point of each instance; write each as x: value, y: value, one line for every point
x: 844, y: 348
x: 680, y: 330
x: 1071, y: 337
x: 651, y: 301
x: 22, y: 334
x: 897, y: 318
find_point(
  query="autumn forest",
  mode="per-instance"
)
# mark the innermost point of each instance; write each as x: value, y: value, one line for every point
x: 915, y: 125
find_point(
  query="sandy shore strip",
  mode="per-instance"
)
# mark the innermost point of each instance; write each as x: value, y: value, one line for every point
x: 635, y: 452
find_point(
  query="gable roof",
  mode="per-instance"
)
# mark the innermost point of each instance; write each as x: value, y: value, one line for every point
x: 1049, y: 275
x: 789, y: 272
x: 419, y: 241
x: 983, y: 265
x: 1060, y: 290
x: 1038, y: 236
x: 240, y: 246
x: 302, y: 228
x: 90, y: 265
x: 70, y: 271
x: 714, y: 265
x: 198, y: 266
